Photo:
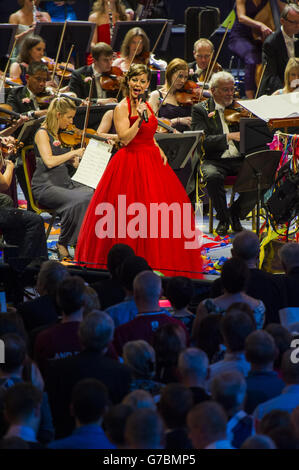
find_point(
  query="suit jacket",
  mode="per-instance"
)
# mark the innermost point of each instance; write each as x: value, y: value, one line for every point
x: 15, y: 99
x: 77, y: 84
x: 276, y: 57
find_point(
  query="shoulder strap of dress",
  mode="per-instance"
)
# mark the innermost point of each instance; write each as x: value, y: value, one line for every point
x: 149, y: 107
x: 129, y: 105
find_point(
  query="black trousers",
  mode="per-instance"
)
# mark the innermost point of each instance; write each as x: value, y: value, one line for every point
x: 24, y: 229
x: 214, y: 173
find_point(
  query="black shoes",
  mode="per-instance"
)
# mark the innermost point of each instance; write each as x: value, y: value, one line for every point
x: 222, y: 228
x: 236, y: 224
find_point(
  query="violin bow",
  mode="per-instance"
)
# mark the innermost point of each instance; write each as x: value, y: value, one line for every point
x: 87, y: 113
x: 59, y: 49
x: 159, y: 37
x: 132, y: 60
x: 7, y: 64
x: 260, y: 80
x: 66, y: 65
x: 206, y: 76
x: 168, y: 91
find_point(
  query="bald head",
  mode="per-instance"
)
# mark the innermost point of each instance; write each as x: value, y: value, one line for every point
x: 246, y: 245
x: 147, y: 290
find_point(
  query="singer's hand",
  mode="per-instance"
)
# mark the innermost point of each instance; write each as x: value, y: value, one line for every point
x: 141, y: 107
x: 163, y: 156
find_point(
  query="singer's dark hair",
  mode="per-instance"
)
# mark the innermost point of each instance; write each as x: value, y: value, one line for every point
x: 134, y: 70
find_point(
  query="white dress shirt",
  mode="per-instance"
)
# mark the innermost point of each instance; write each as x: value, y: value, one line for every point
x: 232, y: 151
x: 290, y: 43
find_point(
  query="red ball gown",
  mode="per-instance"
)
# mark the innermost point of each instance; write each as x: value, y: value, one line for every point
x: 124, y: 210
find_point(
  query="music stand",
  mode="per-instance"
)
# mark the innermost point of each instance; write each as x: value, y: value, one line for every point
x: 95, y: 116
x: 7, y: 36
x: 178, y: 147
x: 79, y: 33
x: 257, y: 174
x: 151, y: 27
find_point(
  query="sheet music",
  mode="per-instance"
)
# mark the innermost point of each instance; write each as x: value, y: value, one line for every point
x: 273, y: 107
x: 26, y: 128
x: 93, y: 163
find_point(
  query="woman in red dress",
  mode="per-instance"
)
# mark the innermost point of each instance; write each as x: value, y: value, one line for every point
x: 139, y: 200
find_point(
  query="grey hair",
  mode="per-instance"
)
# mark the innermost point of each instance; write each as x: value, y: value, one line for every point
x: 140, y: 357
x: 221, y: 76
x: 96, y: 330
x: 228, y: 389
x: 193, y: 361
x: 289, y: 255
x: 287, y: 9
x: 51, y: 274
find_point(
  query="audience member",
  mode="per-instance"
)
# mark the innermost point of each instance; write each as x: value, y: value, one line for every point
x: 168, y: 341
x: 234, y: 279
x: 273, y: 420
x: 139, y: 399
x: 175, y: 403
x: 13, y: 443
x: 147, y: 291
x: 229, y: 390
x: 179, y: 292
x: 62, y: 340
x: 144, y: 430
x: 11, y: 373
x: 260, y: 285
x: 140, y: 357
x: 22, y: 404
x: 289, y: 256
x: 206, y: 335
x: 282, y: 339
x: 126, y: 310
x: 235, y: 327
x: 295, y: 420
x: 207, y: 426
x: 91, y: 301
x: 193, y: 370
x: 115, y: 422
x: 263, y: 382
x: 258, y: 442
x: 110, y: 291
x: 95, y: 333
x: 89, y: 402
x: 288, y: 399
x: 44, y: 310
x: 284, y: 438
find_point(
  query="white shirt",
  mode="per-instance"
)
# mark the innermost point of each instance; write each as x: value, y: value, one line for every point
x: 100, y: 92
x: 232, y: 151
x: 290, y: 43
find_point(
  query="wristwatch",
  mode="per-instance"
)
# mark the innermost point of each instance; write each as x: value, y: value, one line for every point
x: 31, y: 114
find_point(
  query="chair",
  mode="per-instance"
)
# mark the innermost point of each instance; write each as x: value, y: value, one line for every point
x: 29, y: 164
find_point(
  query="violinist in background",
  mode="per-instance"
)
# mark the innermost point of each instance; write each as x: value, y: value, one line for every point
x: 178, y: 115
x: 102, y: 55
x: 222, y: 156
x: 291, y: 77
x: 203, y: 50
x: 279, y: 48
x: 26, y: 19
x: 246, y: 38
x: 135, y: 39
x: 105, y: 13
x: 24, y: 100
x: 33, y: 50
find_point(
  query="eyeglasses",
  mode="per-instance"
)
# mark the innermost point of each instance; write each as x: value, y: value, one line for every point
x: 203, y: 56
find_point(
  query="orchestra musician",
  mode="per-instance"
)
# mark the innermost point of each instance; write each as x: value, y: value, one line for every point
x: 291, y: 77
x: 102, y: 54
x: 33, y: 49
x: 279, y: 48
x: 203, y: 50
x: 105, y: 13
x: 221, y: 152
x: 246, y: 38
x: 178, y: 114
x: 135, y: 39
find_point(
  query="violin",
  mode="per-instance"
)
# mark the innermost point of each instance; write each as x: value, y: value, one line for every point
x: 190, y: 94
x: 72, y: 136
x: 7, y: 114
x: 10, y: 82
x: 164, y: 126
x: 60, y: 67
x: 217, y: 68
x: 234, y: 114
x: 111, y: 81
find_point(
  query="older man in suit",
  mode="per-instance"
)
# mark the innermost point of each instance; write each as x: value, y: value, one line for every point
x: 221, y: 156
x: 278, y: 48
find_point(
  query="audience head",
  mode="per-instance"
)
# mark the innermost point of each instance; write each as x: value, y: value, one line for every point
x: 193, y: 366
x: 22, y: 404
x: 260, y: 349
x: 289, y: 369
x: 147, y: 288
x: 116, y: 256
x: 235, y: 327
x: 295, y: 421
x: 96, y: 331
x: 14, y: 354
x: 144, y: 430
x: 206, y: 424
x: 246, y: 245
x: 289, y: 256
x: 179, y: 291
x: 222, y: 85
x: 89, y: 401
x: 12, y: 323
x: 273, y: 420
x: 139, y: 399
x: 206, y: 334
x: 282, y: 339
x: 229, y: 390
x: 234, y: 275
x: 115, y: 422
x: 284, y: 438
x: 202, y: 51
x: 71, y: 295
x: 140, y: 357
x: 175, y: 403
x: 168, y: 341
x: 258, y: 442
x: 130, y: 268
x: 51, y: 274
x: 32, y: 50
x: 91, y: 301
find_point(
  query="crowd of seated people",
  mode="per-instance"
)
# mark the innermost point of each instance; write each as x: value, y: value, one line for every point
x: 74, y: 378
